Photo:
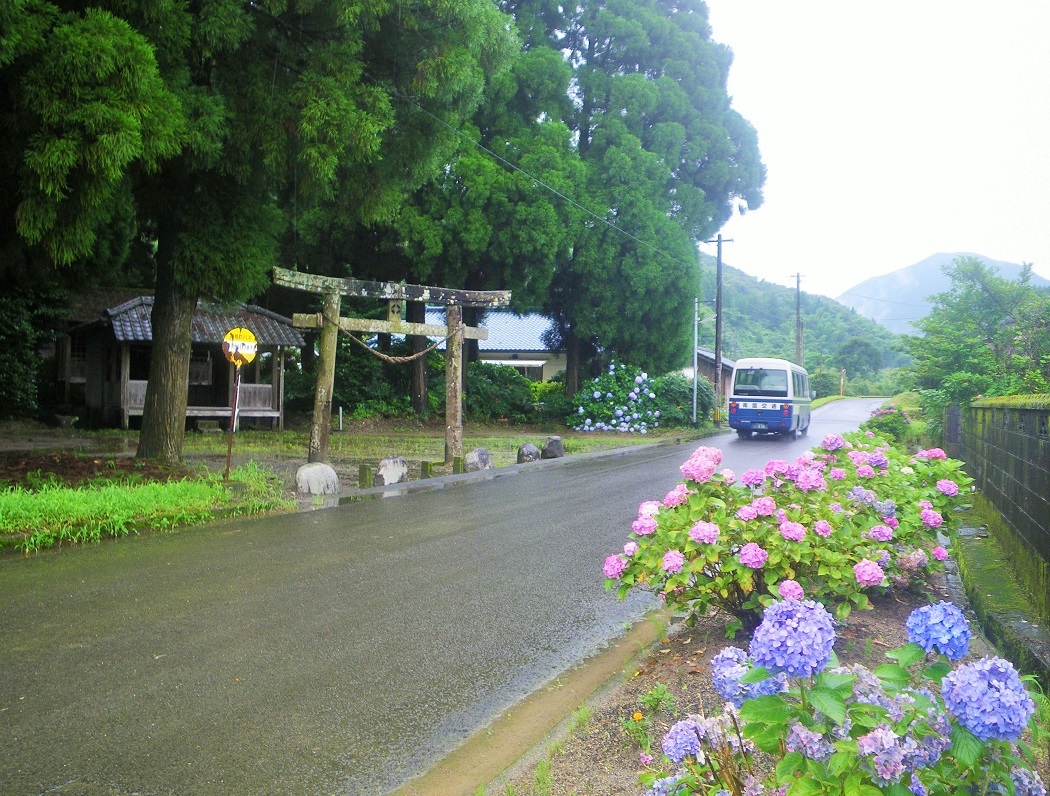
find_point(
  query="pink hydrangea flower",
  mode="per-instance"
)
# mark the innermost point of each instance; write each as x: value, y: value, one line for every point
x: 939, y: 553
x: 677, y: 496
x: 643, y: 526
x: 865, y: 471
x: 614, y: 566
x: 648, y: 508
x: 858, y: 457
x: 880, y: 533
x: 753, y: 477
x: 932, y: 453
x: 765, y: 506
x: 706, y: 532
x: 810, y: 480
x: 751, y: 555
x: 947, y: 487
x: 931, y: 518
x: 836, y: 507
x: 836, y: 474
x: 868, y: 573
x: 791, y: 590
x: 630, y: 549
x: 870, y: 434
x: 822, y: 528
x: 746, y: 513
x: 912, y: 560
x: 793, y: 531
x: 893, y: 522
x: 702, y: 464
x: 776, y: 467
x: 728, y: 475
x: 673, y: 561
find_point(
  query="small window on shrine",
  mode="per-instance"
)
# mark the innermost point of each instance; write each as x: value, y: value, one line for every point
x: 77, y: 359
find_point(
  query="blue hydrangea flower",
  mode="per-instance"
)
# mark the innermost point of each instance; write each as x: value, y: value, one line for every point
x: 795, y: 637
x: 668, y: 786
x: 728, y: 666
x: 989, y: 699
x: 683, y: 739
x: 940, y: 627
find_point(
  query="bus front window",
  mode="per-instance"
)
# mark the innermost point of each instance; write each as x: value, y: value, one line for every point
x: 761, y: 383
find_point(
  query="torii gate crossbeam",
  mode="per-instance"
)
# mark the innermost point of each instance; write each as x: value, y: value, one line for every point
x: 329, y: 322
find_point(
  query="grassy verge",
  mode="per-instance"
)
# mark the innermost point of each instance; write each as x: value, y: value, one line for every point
x: 34, y: 519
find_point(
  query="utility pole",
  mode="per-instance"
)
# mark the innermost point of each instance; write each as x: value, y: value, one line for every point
x: 798, y: 319
x: 696, y: 323
x: 718, y: 328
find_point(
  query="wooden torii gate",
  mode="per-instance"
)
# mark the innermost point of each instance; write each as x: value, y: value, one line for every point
x: 329, y: 322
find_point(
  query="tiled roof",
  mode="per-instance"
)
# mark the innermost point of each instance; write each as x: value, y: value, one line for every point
x: 507, y: 331
x: 131, y: 323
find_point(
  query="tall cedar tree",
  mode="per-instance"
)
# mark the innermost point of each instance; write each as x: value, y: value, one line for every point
x: 238, y: 136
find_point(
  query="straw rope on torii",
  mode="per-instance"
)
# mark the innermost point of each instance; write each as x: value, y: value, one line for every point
x: 330, y: 323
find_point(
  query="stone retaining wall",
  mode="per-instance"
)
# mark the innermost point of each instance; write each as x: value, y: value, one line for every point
x: 1005, y: 443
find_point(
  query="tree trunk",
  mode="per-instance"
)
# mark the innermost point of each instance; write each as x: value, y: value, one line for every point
x: 164, y: 413
x: 416, y: 312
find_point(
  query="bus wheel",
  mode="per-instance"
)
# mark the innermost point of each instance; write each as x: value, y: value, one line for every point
x: 805, y: 431
x: 793, y: 433
x: 743, y: 433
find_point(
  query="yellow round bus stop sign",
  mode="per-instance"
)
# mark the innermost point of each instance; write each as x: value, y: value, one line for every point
x: 239, y: 345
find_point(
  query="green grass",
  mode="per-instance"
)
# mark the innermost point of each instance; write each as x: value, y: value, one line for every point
x: 34, y: 519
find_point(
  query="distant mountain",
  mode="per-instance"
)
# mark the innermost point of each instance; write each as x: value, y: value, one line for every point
x: 897, y: 299
x: 760, y: 319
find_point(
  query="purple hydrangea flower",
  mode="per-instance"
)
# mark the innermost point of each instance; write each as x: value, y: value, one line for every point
x: 880, y: 533
x: 865, y: 471
x: 614, y: 566
x: 832, y: 442
x: 931, y: 518
x: 668, y: 786
x: 673, y: 561
x: 947, y: 487
x: 836, y: 474
x: 790, y: 590
x: 868, y: 573
x: 643, y: 526
x: 728, y: 666
x: 776, y: 467
x: 940, y: 627
x: 630, y: 548
x: 751, y: 555
x: 878, y: 459
x: 810, y: 744
x: 887, y: 762
x: 683, y: 740
x: 706, y: 532
x: 862, y: 495
x: 822, y: 528
x: 913, y: 560
x: 989, y: 699
x: 795, y: 637
x: 939, y: 553
x: 886, y: 508
x: 1027, y: 783
x: 793, y: 531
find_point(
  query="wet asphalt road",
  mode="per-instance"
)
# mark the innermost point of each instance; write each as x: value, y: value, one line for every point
x: 339, y: 651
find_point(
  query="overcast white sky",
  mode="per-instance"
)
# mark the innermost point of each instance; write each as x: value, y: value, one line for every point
x: 891, y: 130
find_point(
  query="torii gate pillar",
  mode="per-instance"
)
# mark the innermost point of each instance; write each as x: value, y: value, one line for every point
x: 322, y: 419
x: 454, y: 384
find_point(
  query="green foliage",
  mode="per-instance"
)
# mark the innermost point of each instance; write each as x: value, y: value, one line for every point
x: 497, y: 392
x: 51, y: 514
x: 658, y: 698
x: 813, y: 530
x: 674, y: 399
x: 889, y: 421
x: 985, y: 336
x: 20, y: 339
x: 550, y: 401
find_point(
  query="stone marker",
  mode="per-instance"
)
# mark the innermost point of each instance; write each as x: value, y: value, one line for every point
x: 317, y: 478
x: 477, y: 459
x: 392, y: 470
x: 528, y: 453
x: 553, y: 448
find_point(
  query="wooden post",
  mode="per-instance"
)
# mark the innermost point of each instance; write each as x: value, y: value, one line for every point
x: 454, y: 384
x: 322, y: 418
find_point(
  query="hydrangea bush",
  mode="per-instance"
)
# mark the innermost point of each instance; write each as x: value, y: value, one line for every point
x: 913, y: 727
x: 856, y: 514
x: 621, y: 399
x: 890, y: 421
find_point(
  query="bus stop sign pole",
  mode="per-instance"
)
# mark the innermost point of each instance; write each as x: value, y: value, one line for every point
x: 240, y: 346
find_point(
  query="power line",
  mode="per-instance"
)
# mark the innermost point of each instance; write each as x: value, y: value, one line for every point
x: 888, y: 301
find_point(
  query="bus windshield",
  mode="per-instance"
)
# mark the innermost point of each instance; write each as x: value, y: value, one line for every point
x: 761, y: 382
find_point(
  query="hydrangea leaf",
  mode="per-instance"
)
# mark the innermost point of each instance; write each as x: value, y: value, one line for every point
x: 830, y: 703
x: 756, y: 675
x: 907, y: 655
x: 766, y: 710
x: 966, y: 747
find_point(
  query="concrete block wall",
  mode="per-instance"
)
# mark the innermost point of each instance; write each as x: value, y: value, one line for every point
x: 1005, y: 444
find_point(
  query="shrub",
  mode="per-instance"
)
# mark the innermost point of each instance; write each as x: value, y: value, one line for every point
x: 833, y: 730
x: 621, y: 399
x: 855, y: 514
x: 890, y: 420
x: 497, y: 392
x: 550, y: 401
x: 674, y: 399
